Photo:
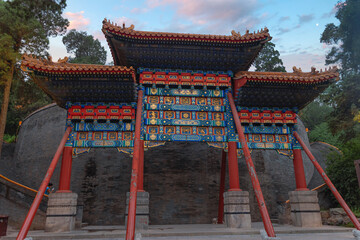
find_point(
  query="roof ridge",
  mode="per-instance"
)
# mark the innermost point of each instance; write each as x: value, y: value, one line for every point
x: 263, y: 34
x: 30, y: 63
x: 297, y: 74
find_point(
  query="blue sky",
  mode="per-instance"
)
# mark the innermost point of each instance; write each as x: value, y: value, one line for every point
x: 295, y: 26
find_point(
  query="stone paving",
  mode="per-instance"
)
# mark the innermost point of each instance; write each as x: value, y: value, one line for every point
x: 195, y: 232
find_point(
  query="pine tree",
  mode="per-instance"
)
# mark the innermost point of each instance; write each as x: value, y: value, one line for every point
x: 269, y: 60
x: 25, y: 26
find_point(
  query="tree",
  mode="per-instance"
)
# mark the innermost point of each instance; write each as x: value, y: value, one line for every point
x: 342, y: 172
x: 315, y: 113
x: 269, y: 60
x: 344, y: 96
x: 25, y: 98
x: 85, y: 48
x: 25, y: 26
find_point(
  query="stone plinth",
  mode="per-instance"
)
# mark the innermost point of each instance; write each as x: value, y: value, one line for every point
x: 237, y: 209
x: 142, y: 210
x: 61, y: 212
x: 305, y: 209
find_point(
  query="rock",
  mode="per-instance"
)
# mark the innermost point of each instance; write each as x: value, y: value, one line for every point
x: 337, y: 211
x: 325, y: 215
x: 337, y: 217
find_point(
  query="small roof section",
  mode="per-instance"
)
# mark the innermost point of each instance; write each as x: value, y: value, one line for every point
x: 63, y: 67
x: 64, y: 81
x: 165, y: 50
x: 281, y: 89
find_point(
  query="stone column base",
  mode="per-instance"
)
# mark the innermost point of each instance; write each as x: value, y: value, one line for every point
x: 61, y: 212
x: 305, y: 209
x: 142, y: 210
x: 237, y: 209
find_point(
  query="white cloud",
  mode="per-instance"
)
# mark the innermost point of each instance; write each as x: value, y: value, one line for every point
x: 211, y: 16
x: 77, y: 20
x: 303, y: 60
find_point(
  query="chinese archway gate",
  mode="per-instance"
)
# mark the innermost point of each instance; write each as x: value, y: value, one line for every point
x: 182, y: 87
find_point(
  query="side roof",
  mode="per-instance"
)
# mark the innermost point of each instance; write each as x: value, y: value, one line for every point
x: 64, y: 81
x: 281, y: 89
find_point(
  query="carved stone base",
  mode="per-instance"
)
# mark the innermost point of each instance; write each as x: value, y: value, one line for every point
x: 142, y: 210
x: 61, y: 212
x: 305, y: 209
x: 237, y: 209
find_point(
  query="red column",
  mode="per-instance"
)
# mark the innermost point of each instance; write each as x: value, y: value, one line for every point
x: 251, y: 168
x: 233, y: 167
x: 36, y: 203
x: 130, y: 228
x: 65, y: 172
x: 329, y: 183
x: 222, y: 188
x: 141, y: 167
x: 299, y: 171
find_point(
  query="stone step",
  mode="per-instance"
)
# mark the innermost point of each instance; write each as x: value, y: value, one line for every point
x: 196, y: 231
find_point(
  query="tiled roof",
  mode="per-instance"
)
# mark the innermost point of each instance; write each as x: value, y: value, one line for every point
x: 295, y: 77
x: 62, y: 66
x: 235, y: 37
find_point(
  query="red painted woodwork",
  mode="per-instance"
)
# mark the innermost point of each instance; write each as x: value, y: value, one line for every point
x: 127, y: 112
x: 329, y: 183
x: 223, y: 80
x: 141, y: 167
x: 255, y: 116
x: 278, y: 117
x: 266, y: 117
x: 101, y: 113
x: 130, y: 228
x: 299, y: 171
x: 185, y: 79
x: 114, y: 112
x: 65, y: 171
x: 251, y: 168
x: 290, y: 117
x: 244, y: 116
x: 89, y: 112
x: 220, y: 218
x: 160, y: 78
x: 75, y: 112
x: 210, y: 80
x: 35, y: 205
x: 172, y: 78
x: 233, y: 167
x: 198, y: 79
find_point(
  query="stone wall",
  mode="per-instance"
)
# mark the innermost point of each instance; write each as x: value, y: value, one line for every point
x: 182, y: 178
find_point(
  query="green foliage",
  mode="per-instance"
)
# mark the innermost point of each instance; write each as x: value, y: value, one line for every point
x: 322, y: 133
x: 269, y: 60
x: 7, y: 56
x: 26, y: 97
x: 315, y: 113
x: 346, y: 35
x: 314, y: 117
x: 345, y: 95
x: 85, y: 48
x: 341, y: 171
x: 25, y: 26
x: 30, y: 22
x: 9, y: 138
